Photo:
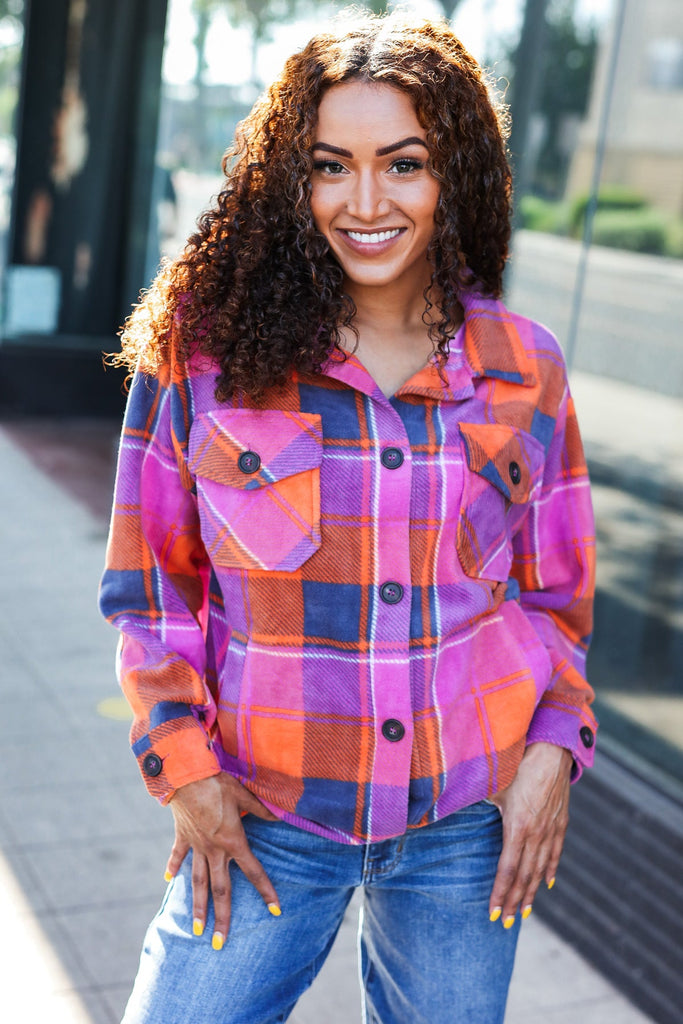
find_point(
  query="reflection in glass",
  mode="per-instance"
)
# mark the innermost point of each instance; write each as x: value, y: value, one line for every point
x: 627, y: 362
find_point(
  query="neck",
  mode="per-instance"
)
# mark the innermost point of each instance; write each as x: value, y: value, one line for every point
x: 389, y: 308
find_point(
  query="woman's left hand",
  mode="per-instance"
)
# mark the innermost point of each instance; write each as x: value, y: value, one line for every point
x: 535, y: 812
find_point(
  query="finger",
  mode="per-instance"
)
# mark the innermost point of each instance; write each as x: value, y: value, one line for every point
x: 252, y: 868
x: 555, y: 854
x: 542, y: 859
x: 178, y: 853
x: 523, y: 887
x: 220, y: 893
x: 200, y: 892
x: 506, y: 874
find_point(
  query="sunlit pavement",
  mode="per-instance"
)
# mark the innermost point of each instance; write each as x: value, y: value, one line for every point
x: 83, y: 846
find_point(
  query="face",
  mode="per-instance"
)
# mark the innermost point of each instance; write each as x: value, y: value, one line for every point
x: 373, y: 195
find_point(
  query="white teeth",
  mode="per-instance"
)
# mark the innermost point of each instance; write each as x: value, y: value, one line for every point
x: 374, y: 238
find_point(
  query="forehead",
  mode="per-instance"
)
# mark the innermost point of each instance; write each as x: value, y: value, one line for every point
x: 373, y: 109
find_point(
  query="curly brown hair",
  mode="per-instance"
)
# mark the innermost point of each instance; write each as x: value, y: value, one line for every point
x: 257, y: 288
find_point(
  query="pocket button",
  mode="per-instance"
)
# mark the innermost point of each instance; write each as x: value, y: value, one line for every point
x: 249, y: 462
x: 515, y: 472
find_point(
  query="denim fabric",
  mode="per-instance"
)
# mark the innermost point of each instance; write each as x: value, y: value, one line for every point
x: 428, y: 952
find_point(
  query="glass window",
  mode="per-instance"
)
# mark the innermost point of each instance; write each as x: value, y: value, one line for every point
x: 597, y: 258
x: 11, y: 41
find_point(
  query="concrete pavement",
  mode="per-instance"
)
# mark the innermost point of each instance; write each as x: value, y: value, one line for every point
x: 83, y: 847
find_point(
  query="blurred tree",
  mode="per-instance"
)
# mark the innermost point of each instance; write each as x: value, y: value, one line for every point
x: 567, y: 58
x: 11, y: 8
x: 11, y: 13
x: 380, y: 6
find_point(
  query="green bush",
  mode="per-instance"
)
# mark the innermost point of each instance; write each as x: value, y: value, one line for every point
x: 639, y: 230
x: 542, y: 215
x: 610, y: 197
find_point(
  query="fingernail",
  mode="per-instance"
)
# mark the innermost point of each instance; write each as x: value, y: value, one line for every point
x: 551, y: 883
x: 495, y: 913
x: 274, y: 909
x: 217, y: 941
x: 527, y: 911
x: 168, y: 877
x: 197, y: 927
x: 509, y: 921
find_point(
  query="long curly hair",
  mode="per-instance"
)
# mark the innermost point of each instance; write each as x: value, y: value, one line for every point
x: 256, y: 288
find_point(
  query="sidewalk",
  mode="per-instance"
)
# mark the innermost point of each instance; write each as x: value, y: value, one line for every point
x: 83, y: 847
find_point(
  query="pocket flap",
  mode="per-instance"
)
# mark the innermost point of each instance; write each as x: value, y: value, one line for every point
x: 247, y: 448
x: 508, y: 458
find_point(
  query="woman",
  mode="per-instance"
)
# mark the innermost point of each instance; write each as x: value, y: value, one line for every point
x: 351, y: 554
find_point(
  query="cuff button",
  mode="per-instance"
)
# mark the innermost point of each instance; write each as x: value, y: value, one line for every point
x: 152, y: 765
x: 587, y: 737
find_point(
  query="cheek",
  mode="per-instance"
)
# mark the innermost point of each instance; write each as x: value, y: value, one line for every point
x: 320, y: 208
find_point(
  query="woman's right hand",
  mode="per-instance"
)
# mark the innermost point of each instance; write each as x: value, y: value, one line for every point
x: 207, y: 817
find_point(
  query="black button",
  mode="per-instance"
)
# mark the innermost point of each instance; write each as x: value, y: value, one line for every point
x: 515, y: 472
x: 391, y: 593
x: 393, y: 730
x: 249, y: 462
x: 587, y: 737
x: 152, y: 765
x: 392, y: 458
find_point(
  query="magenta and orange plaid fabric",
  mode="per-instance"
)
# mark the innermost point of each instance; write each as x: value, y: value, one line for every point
x: 363, y: 608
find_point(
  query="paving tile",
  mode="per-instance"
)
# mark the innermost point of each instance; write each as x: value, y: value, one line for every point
x: 82, y: 811
x: 116, y: 997
x: 101, y: 874
x: 26, y: 880
x: 50, y: 761
x: 108, y: 941
x: 610, y: 1010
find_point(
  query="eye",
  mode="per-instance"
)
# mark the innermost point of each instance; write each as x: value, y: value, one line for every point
x: 329, y: 167
x: 406, y: 165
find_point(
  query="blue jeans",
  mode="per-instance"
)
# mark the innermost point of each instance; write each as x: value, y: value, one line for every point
x: 428, y: 952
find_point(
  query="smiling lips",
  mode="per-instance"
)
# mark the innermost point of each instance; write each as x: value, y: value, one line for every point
x: 366, y: 239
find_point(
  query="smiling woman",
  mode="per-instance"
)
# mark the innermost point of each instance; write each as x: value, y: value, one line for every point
x: 346, y: 474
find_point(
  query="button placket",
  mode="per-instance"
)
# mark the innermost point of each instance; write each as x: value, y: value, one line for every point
x: 392, y: 694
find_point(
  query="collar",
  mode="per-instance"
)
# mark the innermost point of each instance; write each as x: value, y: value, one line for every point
x: 487, y: 344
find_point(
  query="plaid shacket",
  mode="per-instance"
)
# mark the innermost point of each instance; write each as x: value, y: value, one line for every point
x: 362, y: 608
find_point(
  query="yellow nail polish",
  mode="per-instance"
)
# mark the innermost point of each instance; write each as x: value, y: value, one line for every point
x: 495, y: 913
x: 527, y: 911
x: 197, y: 927
x: 508, y: 922
x: 217, y: 941
x: 551, y: 883
x: 168, y: 877
x: 274, y: 909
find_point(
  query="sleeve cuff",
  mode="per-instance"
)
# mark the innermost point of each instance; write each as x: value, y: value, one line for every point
x: 566, y: 728
x: 176, y: 759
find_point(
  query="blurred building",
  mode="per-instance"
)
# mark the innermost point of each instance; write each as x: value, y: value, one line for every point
x: 644, y: 149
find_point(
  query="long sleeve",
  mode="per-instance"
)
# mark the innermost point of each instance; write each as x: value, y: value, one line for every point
x: 554, y: 564
x: 155, y: 590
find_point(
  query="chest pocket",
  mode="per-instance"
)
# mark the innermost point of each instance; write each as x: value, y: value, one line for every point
x: 258, y: 486
x: 503, y: 475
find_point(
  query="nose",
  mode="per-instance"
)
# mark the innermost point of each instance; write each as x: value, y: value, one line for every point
x: 368, y: 199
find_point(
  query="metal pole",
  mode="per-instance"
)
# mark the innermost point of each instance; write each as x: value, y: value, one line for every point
x: 600, y: 149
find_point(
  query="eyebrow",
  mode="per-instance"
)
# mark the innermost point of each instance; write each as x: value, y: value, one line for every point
x: 412, y: 140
